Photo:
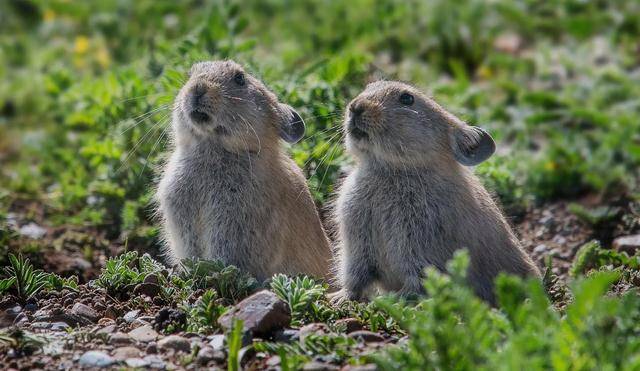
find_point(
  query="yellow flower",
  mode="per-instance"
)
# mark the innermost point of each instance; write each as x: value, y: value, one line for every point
x: 49, y: 15
x: 550, y: 165
x: 81, y: 45
x: 485, y: 72
x: 103, y: 57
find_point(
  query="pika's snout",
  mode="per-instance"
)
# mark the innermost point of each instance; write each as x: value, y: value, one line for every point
x: 358, y: 122
x: 200, y: 102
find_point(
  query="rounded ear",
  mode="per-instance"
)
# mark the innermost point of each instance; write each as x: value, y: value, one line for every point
x: 471, y: 145
x: 291, y: 125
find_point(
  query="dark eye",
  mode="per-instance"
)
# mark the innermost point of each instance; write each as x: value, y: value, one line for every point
x: 239, y: 78
x: 406, y: 99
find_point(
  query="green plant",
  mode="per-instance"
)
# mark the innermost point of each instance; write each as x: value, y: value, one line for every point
x: 234, y: 339
x: 205, y: 312
x: 127, y: 269
x: 592, y: 256
x: 228, y: 281
x: 23, y: 342
x: 305, y: 298
x: 23, y: 278
x: 337, y: 347
x: 452, y: 329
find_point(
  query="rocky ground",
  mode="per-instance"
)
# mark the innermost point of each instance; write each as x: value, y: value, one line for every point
x: 90, y: 328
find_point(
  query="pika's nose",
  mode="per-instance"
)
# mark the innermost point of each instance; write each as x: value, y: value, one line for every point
x: 199, y: 90
x: 356, y: 110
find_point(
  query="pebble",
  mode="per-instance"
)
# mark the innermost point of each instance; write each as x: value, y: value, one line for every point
x: 206, y: 355
x: 143, y: 334
x: 95, y: 358
x: 175, y: 342
x: 130, y: 316
x: 85, y: 311
x: 104, y: 321
x: 119, y: 338
x: 154, y: 361
x: 319, y: 366
x: 123, y: 353
x: 33, y: 231
x: 217, y: 342
x: 367, y: 336
x: 367, y: 367
x: 540, y: 249
x: 313, y: 328
x: 137, y: 363
x: 106, y: 329
x: 262, y: 313
x: 628, y: 244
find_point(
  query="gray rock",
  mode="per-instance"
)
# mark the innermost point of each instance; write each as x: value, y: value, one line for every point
x: 217, y: 342
x: 313, y: 328
x: 95, y: 358
x: 367, y: 336
x: 137, y: 363
x: 319, y: 366
x: 59, y: 326
x: 143, y: 334
x: 367, y: 367
x: 130, y: 316
x: 208, y: 354
x: 32, y: 230
x: 629, y: 244
x: 261, y: 313
x: 540, y: 249
x: 119, y: 338
x: 108, y: 329
x: 73, y: 320
x: 175, y: 342
x: 85, y: 311
x: 154, y: 362
x: 9, y: 315
x: 123, y: 353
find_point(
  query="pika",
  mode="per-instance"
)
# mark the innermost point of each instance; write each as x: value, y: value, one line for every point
x: 229, y: 191
x: 411, y: 200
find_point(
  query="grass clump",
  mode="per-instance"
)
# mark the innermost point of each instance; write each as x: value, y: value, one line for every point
x: 452, y: 329
x: 592, y: 256
x: 203, y: 316
x: 229, y: 282
x: 304, y: 296
x: 21, y: 279
x: 123, y: 271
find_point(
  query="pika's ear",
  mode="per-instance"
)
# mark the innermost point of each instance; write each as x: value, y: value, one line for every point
x: 471, y: 145
x: 291, y: 125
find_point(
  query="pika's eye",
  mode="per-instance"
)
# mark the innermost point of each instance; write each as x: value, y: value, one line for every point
x: 239, y: 78
x: 406, y: 99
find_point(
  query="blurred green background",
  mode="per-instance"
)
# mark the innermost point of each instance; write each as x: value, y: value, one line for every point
x: 86, y: 88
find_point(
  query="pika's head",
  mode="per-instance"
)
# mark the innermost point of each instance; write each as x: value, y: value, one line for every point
x: 394, y: 122
x: 222, y: 101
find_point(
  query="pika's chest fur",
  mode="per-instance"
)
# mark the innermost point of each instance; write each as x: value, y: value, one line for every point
x: 218, y: 200
x: 411, y: 214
